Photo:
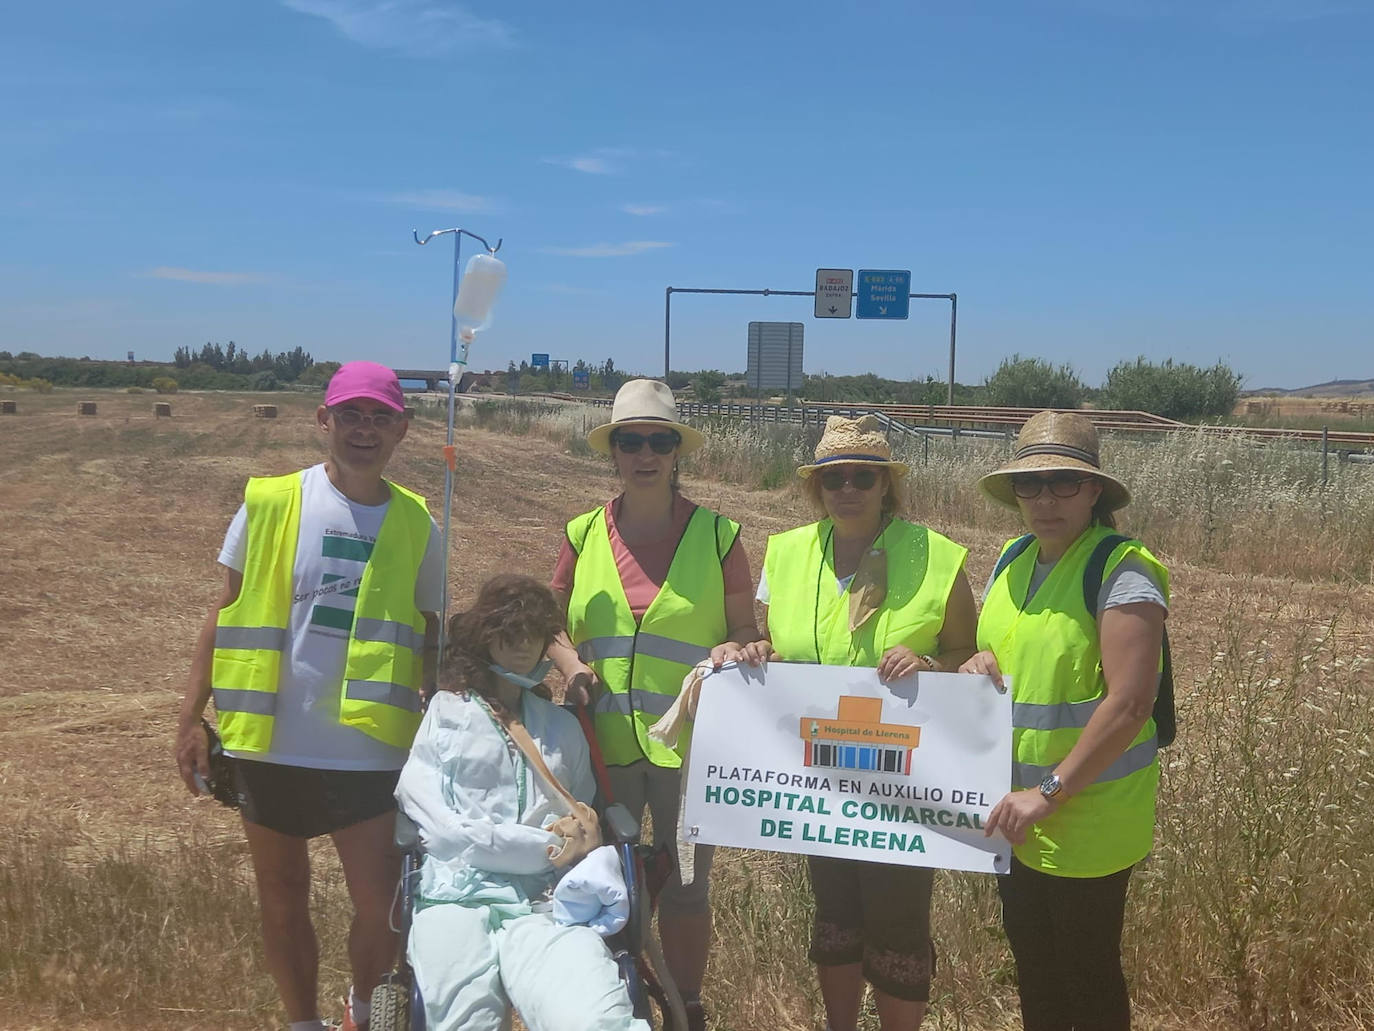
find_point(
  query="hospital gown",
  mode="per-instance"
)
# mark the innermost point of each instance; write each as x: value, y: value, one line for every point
x: 482, y: 939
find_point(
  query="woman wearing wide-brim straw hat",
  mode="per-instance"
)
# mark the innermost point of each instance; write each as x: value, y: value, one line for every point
x: 653, y: 584
x: 864, y: 587
x: 1084, y: 673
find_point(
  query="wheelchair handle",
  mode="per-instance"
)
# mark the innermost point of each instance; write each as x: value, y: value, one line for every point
x: 621, y: 827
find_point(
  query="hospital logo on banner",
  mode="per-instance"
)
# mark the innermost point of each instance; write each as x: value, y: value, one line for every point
x: 858, y: 739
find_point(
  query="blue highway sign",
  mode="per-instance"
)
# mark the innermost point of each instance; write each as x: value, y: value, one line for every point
x: 883, y: 294
x: 582, y: 379
x: 539, y: 361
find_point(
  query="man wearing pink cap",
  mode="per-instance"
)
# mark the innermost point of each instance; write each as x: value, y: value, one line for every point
x: 316, y: 653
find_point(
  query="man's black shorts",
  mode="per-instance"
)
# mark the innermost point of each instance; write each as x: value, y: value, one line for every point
x: 305, y: 803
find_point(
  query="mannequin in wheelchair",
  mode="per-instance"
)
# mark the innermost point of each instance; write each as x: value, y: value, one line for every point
x: 499, y: 782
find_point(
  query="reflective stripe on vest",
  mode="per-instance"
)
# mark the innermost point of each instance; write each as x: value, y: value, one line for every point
x: 272, y: 638
x: 386, y: 631
x: 1136, y: 758
x: 380, y: 692
x: 624, y: 703
x: 257, y: 703
x: 641, y: 644
x: 643, y: 665
x: 1054, y: 715
x: 399, y: 696
x: 1048, y: 645
x: 808, y: 618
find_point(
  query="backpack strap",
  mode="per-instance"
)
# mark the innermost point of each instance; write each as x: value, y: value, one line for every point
x: 1097, y: 568
x: 1165, y: 716
x: 1012, y: 553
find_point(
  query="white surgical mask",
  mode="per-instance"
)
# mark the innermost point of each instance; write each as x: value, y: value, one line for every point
x: 529, y: 680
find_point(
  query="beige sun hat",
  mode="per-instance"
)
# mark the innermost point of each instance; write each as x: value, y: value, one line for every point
x: 1054, y: 442
x: 858, y: 441
x: 644, y: 401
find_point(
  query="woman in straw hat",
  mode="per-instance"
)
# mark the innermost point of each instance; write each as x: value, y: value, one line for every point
x: 653, y: 584
x: 1084, y: 675
x: 864, y: 587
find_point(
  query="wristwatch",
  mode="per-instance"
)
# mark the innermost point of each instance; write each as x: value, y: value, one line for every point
x: 1052, y: 787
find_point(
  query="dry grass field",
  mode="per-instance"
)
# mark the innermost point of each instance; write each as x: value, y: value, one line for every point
x: 125, y: 903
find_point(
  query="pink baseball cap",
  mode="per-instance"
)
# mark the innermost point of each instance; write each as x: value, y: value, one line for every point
x: 365, y: 379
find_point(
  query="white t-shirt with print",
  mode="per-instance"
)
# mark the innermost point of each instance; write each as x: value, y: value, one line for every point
x: 336, y: 538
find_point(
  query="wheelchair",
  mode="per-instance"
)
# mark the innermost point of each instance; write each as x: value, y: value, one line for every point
x: 396, y: 1002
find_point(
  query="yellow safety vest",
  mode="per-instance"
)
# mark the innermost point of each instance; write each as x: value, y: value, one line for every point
x: 380, y: 694
x: 808, y: 619
x: 1049, y: 647
x: 643, y: 665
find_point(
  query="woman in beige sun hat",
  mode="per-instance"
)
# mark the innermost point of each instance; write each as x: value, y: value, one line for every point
x: 1084, y: 675
x: 653, y: 584
x: 865, y: 587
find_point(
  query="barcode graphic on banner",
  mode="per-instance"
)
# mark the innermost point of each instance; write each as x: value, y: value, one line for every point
x: 838, y: 756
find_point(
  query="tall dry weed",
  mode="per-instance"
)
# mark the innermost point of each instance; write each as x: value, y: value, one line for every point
x: 1254, y: 911
x: 1255, y: 905
x: 1232, y: 503
x: 146, y: 931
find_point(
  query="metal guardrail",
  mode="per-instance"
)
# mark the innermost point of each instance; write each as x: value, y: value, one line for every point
x: 975, y: 420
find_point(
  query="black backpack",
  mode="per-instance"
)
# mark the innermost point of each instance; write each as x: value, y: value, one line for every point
x: 1166, y: 719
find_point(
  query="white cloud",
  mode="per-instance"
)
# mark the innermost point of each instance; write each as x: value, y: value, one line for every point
x: 443, y: 200
x: 607, y: 250
x: 588, y: 163
x: 191, y: 275
x: 417, y: 26
x: 644, y: 209
x: 608, y: 160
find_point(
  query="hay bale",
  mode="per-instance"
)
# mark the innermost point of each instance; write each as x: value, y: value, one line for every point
x: 85, y: 408
x: 9, y: 407
x: 162, y: 409
x: 265, y: 411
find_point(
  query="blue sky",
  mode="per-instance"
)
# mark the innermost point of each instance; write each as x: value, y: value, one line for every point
x: 1096, y: 179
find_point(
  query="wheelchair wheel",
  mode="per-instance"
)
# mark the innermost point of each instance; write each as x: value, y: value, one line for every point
x: 390, y: 1007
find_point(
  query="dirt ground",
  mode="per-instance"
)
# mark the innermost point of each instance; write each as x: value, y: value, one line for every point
x: 109, y: 530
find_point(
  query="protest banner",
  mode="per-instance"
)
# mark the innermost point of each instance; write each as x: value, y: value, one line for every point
x: 830, y: 761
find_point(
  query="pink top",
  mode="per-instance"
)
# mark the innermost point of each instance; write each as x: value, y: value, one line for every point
x: 643, y: 567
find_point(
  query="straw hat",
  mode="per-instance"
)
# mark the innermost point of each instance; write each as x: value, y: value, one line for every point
x: 854, y: 442
x: 1054, y: 442
x: 641, y: 401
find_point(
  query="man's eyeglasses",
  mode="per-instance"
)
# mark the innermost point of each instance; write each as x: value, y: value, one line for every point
x: 863, y: 478
x: 352, y: 417
x: 1065, y: 485
x: 659, y: 443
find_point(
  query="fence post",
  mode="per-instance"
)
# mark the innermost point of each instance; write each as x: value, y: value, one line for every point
x: 1325, y: 453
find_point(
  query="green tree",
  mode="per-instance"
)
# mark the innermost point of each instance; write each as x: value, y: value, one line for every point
x: 1173, y: 390
x: 1033, y: 383
x: 706, y: 385
x: 318, y: 374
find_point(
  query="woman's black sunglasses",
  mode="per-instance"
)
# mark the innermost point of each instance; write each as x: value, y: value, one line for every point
x: 863, y: 478
x: 659, y: 443
x: 1064, y: 485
